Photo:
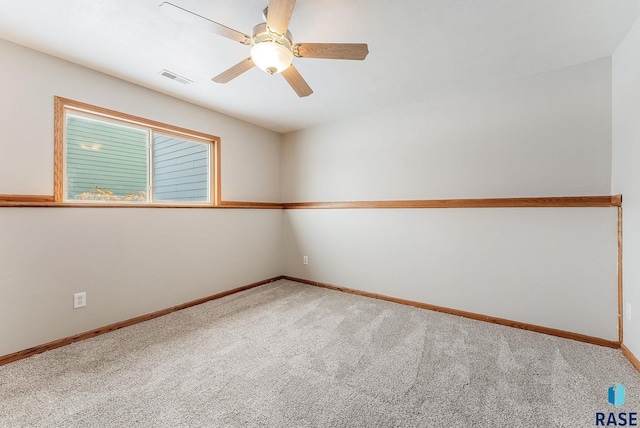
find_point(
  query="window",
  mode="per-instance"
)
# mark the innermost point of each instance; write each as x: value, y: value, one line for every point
x: 104, y: 156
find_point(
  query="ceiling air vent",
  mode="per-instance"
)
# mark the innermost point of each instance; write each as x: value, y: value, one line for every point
x: 174, y: 76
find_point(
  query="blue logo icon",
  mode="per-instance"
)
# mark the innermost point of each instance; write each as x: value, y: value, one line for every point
x: 616, y: 395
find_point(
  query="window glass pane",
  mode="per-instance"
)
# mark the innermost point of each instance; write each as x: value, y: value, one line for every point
x: 180, y: 169
x: 109, y: 156
x: 105, y: 161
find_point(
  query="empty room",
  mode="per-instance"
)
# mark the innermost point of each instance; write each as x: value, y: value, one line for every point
x: 328, y: 213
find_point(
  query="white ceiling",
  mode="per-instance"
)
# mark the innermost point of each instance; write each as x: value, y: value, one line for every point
x: 418, y: 48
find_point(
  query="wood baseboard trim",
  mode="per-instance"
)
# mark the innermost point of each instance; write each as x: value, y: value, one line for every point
x: 6, y: 359
x: 629, y: 355
x: 126, y: 323
x: 501, y: 321
x: 543, y: 202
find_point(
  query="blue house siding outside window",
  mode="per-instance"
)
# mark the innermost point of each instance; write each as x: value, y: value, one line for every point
x: 110, y: 161
x: 180, y: 169
x: 105, y: 156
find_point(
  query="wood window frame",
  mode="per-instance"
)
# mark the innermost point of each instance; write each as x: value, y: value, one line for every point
x: 62, y: 105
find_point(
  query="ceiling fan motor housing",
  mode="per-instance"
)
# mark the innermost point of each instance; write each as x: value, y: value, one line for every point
x: 271, y: 52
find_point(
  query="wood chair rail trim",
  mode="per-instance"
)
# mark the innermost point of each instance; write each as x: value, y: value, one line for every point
x: 542, y: 202
x: 538, y: 202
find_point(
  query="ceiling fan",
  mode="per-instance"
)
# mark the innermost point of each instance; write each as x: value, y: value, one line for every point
x: 272, y: 47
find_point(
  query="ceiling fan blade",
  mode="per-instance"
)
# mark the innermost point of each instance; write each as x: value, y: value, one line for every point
x: 235, y: 71
x: 357, y: 51
x: 279, y: 15
x: 195, y: 20
x: 296, y: 81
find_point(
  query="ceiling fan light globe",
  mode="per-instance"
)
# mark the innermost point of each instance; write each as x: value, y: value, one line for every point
x: 271, y: 57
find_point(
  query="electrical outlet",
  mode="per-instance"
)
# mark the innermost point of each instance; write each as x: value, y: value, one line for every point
x: 79, y: 300
x: 627, y: 312
x: 305, y: 260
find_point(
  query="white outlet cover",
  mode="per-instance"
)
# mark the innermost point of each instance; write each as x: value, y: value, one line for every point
x: 627, y: 312
x: 79, y: 300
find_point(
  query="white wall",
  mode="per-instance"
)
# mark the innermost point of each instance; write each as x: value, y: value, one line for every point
x: 626, y: 172
x: 28, y: 82
x: 546, y: 135
x: 549, y: 267
x: 130, y: 261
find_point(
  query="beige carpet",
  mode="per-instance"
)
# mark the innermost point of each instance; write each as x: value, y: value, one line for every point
x: 292, y: 355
